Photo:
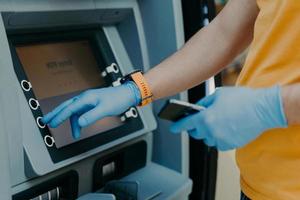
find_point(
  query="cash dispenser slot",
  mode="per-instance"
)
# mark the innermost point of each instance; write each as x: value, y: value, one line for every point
x: 63, y: 187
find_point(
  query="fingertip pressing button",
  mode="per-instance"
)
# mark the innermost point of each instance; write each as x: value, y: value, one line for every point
x: 40, y: 123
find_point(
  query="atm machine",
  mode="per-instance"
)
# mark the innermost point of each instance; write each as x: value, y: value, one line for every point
x: 51, y: 50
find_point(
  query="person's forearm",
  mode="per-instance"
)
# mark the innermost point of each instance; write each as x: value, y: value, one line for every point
x: 291, y: 103
x: 208, y: 52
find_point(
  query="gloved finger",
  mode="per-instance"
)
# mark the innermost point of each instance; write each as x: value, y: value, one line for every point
x: 222, y: 146
x: 207, y: 101
x: 209, y: 141
x: 48, y: 117
x: 194, y: 133
x: 92, y: 116
x: 77, y: 106
x: 183, y: 125
x: 76, y: 129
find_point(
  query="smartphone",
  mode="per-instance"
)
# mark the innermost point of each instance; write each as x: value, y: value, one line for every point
x: 175, y: 110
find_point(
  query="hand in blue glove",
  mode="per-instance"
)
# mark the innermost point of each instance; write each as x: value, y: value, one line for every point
x: 94, y: 105
x: 235, y: 116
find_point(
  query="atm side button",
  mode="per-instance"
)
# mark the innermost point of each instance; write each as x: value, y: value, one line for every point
x: 131, y: 113
x: 40, y: 123
x: 26, y: 85
x: 117, y: 82
x: 113, y: 68
x: 49, y: 141
x: 33, y: 103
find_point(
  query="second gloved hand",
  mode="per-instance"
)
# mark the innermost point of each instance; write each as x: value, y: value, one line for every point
x: 93, y: 105
x: 235, y: 116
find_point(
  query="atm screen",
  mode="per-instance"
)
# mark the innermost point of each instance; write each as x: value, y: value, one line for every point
x: 59, y: 71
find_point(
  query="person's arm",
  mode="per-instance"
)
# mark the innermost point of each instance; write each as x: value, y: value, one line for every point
x: 208, y: 52
x: 204, y: 55
x: 291, y: 103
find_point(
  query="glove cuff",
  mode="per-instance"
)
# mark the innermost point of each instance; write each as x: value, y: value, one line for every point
x: 135, y: 91
x: 276, y: 110
x: 283, y: 118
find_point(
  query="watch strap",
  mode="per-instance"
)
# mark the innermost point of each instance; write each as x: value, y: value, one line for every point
x: 138, y: 78
x: 146, y: 94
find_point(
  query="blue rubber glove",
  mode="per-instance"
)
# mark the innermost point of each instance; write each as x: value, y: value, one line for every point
x: 92, y: 105
x: 235, y: 116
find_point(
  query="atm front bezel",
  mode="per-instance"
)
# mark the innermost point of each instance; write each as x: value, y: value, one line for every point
x: 104, y: 56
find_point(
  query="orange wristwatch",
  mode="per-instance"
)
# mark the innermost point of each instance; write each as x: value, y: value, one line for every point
x: 140, y: 81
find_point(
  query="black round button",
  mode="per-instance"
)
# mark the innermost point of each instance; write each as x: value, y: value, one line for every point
x: 34, y: 104
x: 49, y: 140
x: 115, y: 68
x: 26, y: 85
x: 134, y: 112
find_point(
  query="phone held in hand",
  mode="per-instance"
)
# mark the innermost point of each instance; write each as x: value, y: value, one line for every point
x: 175, y: 110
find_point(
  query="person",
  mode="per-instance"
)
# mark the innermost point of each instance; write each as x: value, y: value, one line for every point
x: 258, y: 117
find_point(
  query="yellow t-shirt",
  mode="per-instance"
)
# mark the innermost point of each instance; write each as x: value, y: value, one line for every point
x: 270, y: 165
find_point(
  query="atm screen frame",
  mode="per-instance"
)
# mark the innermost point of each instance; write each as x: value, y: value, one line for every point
x: 104, y: 57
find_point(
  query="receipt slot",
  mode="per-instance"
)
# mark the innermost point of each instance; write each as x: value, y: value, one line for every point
x: 54, y: 51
